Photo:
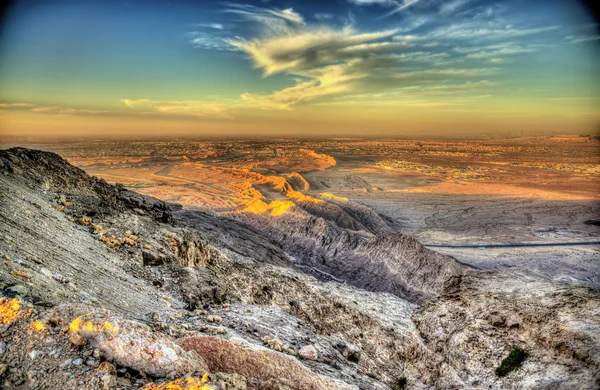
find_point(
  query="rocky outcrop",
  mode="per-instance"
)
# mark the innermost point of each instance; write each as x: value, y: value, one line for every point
x: 298, y: 182
x: 191, y: 250
x: 235, y: 238
x: 333, y: 213
x: 262, y: 367
x: 476, y: 324
x: 62, y: 259
x: 94, y: 196
x: 372, y: 221
x: 127, y: 343
x: 391, y: 263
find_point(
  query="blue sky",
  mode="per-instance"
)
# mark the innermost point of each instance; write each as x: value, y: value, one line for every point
x: 273, y: 63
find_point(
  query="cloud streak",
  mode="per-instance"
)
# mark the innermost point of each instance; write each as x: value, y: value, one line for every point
x: 272, y: 19
x: 216, y: 26
x: 177, y: 107
x: 134, y: 108
x: 51, y: 110
x: 401, y: 7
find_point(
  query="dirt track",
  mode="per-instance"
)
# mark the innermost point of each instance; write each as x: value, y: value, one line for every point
x: 515, y: 245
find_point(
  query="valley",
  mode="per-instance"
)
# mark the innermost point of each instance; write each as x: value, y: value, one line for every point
x: 529, y: 190
x: 289, y: 265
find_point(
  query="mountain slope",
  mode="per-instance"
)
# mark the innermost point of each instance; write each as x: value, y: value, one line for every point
x: 103, y: 288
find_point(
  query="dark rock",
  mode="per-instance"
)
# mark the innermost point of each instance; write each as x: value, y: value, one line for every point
x: 19, y: 289
x: 496, y: 320
x: 152, y: 259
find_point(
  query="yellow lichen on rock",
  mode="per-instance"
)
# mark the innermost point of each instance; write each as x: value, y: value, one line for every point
x: 84, y: 220
x: 130, y: 239
x: 132, y: 344
x: 11, y: 310
x: 74, y: 325
x: 37, y: 326
x: 79, y: 326
x: 109, y: 327
x: 112, y: 241
x: 182, y: 384
x: 115, y: 242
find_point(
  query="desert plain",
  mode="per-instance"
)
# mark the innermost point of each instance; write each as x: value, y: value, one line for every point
x: 530, y: 203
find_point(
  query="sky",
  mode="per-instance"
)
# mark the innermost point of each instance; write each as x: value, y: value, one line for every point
x: 299, y: 68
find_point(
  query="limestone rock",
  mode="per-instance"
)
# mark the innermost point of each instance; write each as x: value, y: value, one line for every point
x: 131, y: 344
x: 256, y: 363
x: 308, y: 352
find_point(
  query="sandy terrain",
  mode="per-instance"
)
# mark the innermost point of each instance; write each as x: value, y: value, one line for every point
x: 488, y: 219
x: 528, y: 190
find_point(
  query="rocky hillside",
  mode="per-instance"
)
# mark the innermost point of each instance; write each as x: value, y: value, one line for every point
x: 103, y: 288
x: 392, y: 262
x: 337, y: 239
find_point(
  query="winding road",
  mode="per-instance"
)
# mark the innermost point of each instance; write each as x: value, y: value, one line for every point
x: 514, y: 245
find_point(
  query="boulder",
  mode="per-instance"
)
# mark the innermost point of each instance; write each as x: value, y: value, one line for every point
x: 308, y: 352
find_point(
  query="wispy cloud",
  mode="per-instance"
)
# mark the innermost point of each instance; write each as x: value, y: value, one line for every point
x: 16, y: 106
x: 401, y: 7
x: 486, y: 30
x: 273, y: 18
x: 53, y: 110
x: 328, y: 60
x: 497, y: 51
x: 325, y: 81
x: 176, y: 107
x: 397, y: 5
x: 297, y: 50
x: 217, y: 26
x: 134, y: 107
x: 57, y: 110
x: 324, y: 16
x: 204, y: 40
x: 582, y: 38
x: 449, y: 7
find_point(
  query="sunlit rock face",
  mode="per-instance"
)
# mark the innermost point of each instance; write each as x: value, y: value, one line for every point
x: 332, y: 237
x: 224, y: 186
x: 274, y: 208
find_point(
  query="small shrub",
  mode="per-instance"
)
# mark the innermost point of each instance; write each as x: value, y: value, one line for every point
x: 400, y: 384
x: 513, y: 361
